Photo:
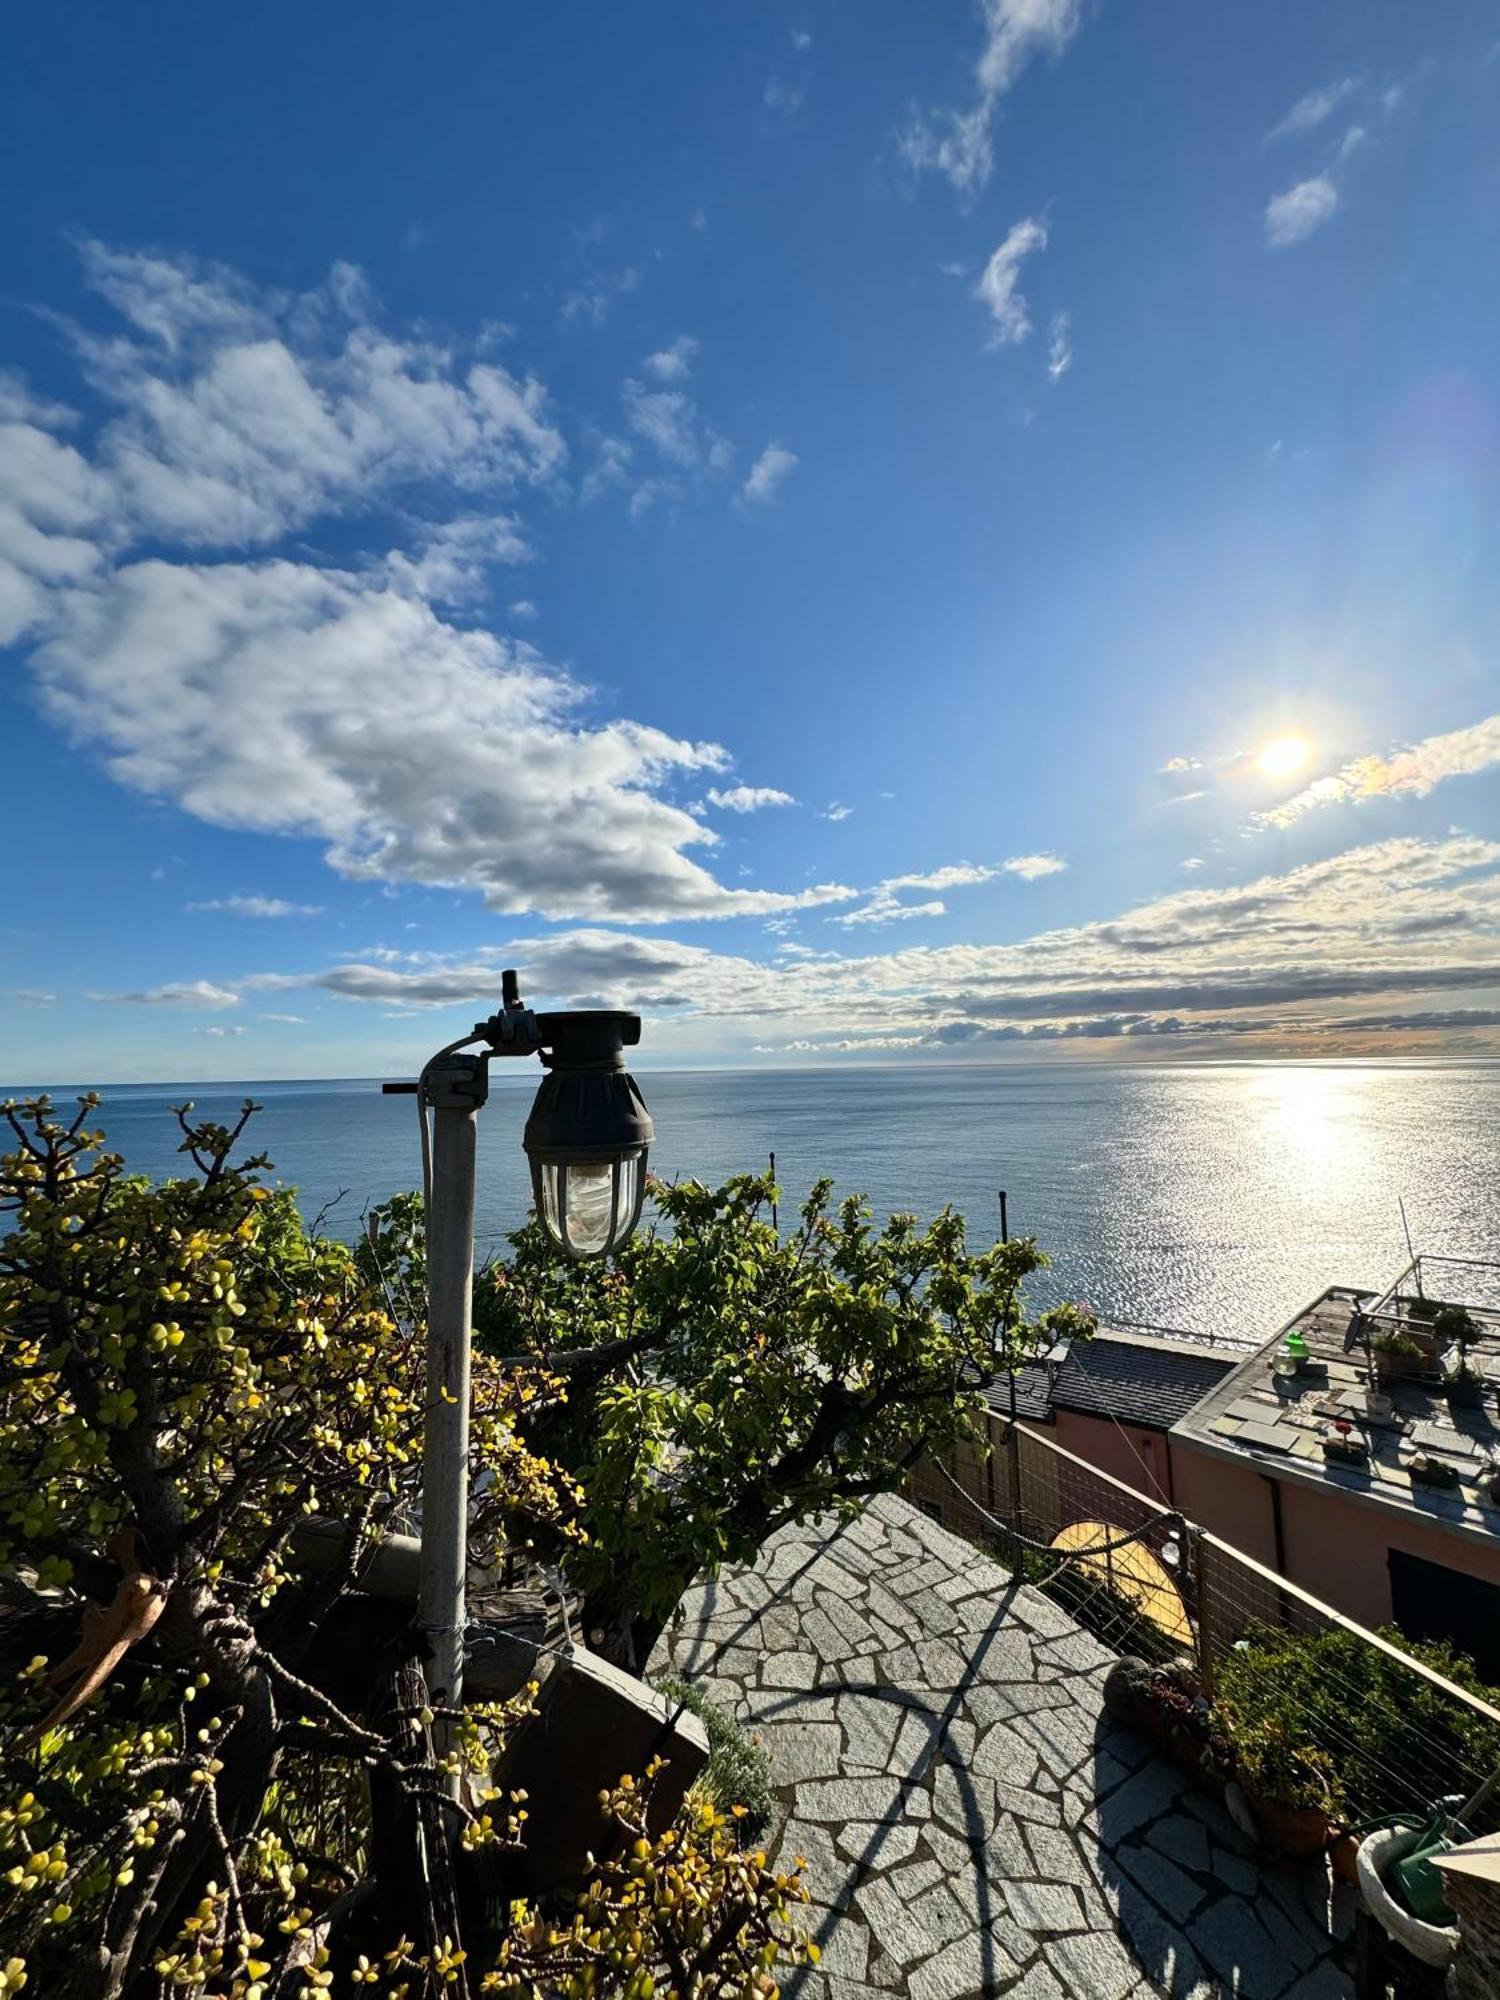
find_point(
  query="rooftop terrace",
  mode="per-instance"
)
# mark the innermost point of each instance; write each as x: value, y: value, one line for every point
x: 973, y: 1822
x: 1405, y: 1444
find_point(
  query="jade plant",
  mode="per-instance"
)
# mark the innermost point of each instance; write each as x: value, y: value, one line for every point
x: 211, y: 1786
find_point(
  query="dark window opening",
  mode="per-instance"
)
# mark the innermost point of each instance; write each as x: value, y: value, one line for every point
x: 1431, y: 1601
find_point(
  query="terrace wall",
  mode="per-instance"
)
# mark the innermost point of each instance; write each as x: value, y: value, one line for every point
x: 1335, y: 1547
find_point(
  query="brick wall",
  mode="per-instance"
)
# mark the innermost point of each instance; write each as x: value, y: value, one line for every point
x: 1475, y: 1973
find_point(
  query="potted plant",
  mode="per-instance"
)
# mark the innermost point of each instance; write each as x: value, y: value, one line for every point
x: 1343, y: 1444
x: 1430, y: 1470
x: 1167, y: 1705
x: 1396, y: 1354
x: 1293, y: 1788
x: 1464, y: 1382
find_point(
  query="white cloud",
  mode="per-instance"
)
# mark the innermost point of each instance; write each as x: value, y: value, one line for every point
x: 768, y: 472
x: 1398, y: 925
x: 589, y: 302
x: 665, y: 418
x: 885, y: 906
x: 453, y: 561
x: 1409, y: 773
x: 178, y: 993
x: 667, y: 421
x: 890, y: 912
x: 1059, y: 345
x: 672, y: 363
x: 55, y: 510
x: 1032, y: 867
x: 280, y: 694
x: 276, y: 697
x: 1193, y: 861
x: 836, y: 812
x: 1294, y: 215
x: 525, y: 610
x: 998, y: 289
x: 259, y: 906
x: 244, y: 415
x: 1311, y: 111
x: 748, y: 798
x: 785, y: 98
x: 221, y: 1032
x: 956, y: 875
x: 959, y: 144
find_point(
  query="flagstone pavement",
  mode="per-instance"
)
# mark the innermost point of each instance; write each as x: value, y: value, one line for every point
x: 973, y: 1822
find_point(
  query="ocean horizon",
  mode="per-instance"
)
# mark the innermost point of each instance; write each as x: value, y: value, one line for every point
x: 1214, y: 1197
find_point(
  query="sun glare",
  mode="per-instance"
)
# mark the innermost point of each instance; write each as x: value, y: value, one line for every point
x: 1284, y: 757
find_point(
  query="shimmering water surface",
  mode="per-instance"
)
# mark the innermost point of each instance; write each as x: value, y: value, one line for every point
x: 1218, y: 1198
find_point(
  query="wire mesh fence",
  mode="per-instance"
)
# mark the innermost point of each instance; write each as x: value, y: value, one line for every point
x: 1394, y: 1734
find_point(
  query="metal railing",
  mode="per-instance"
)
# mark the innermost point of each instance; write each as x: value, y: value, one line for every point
x: 1145, y: 1580
x: 1475, y: 1283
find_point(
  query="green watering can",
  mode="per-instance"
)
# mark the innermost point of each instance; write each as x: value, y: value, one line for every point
x: 1420, y: 1884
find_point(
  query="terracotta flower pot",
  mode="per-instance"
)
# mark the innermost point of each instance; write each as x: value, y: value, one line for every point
x: 1343, y: 1855
x: 1297, y: 1832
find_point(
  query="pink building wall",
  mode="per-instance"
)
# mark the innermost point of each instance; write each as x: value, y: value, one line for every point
x: 1139, y: 1458
x: 1334, y: 1547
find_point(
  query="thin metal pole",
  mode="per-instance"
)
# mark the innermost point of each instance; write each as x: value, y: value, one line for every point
x: 441, y: 1610
x: 1004, y: 1219
x: 1416, y: 1262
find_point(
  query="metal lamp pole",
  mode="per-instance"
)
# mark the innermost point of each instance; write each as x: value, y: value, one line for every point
x: 455, y: 1087
x: 587, y: 1138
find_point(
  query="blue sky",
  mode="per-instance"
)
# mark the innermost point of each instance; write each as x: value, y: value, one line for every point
x: 858, y: 529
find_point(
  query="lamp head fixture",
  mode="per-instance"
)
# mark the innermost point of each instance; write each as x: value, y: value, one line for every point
x: 589, y: 1132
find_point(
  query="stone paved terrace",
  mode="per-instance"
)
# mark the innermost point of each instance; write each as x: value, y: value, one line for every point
x: 973, y: 1822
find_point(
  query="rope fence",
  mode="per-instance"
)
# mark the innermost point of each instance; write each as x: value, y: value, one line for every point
x: 1400, y: 1734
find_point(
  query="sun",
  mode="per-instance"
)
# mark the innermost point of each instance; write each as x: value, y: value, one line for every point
x: 1284, y: 757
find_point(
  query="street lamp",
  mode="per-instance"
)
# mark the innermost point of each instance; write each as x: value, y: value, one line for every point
x: 588, y: 1133
x: 587, y: 1139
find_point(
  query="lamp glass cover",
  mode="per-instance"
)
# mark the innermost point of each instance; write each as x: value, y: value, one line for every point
x: 590, y: 1207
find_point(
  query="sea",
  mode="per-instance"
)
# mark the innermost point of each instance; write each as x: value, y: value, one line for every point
x: 1217, y: 1199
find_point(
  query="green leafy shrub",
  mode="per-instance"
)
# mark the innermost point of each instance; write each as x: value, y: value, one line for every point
x: 725, y: 1380
x: 1394, y: 1743
x: 1456, y: 1326
x: 738, y: 1771
x: 1275, y: 1763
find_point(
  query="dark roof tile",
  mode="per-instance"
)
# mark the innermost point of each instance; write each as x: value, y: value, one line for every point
x: 1136, y: 1383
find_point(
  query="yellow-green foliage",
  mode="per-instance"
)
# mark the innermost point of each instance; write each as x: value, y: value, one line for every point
x: 184, y: 1376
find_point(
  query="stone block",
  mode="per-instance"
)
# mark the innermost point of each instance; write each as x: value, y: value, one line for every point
x: 594, y: 1723
x: 974, y: 1964
x: 789, y: 1670
x: 1092, y: 1963
x: 876, y: 1844
x: 800, y: 1750
x: 1045, y: 1908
